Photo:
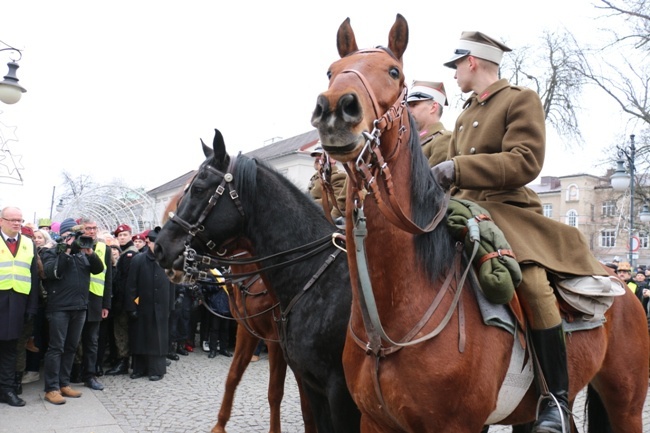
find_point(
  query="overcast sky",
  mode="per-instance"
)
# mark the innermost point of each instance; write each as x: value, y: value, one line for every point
x: 125, y: 89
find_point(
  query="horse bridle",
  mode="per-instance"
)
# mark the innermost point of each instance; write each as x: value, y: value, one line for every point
x: 197, y: 229
x: 371, y: 166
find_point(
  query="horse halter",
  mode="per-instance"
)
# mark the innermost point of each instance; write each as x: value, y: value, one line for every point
x: 197, y: 229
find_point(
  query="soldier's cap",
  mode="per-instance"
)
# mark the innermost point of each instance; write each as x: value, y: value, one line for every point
x: 317, y: 152
x: 140, y: 236
x: 478, y: 45
x: 427, y: 91
x: 122, y: 228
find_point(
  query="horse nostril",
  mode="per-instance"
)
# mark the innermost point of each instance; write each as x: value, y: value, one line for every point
x: 350, y: 108
x: 322, y: 105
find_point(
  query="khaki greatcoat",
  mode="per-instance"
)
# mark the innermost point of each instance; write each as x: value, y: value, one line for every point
x: 435, y: 143
x: 498, y: 147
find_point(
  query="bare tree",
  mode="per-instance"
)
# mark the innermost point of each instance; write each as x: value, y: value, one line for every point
x: 548, y: 68
x: 74, y: 187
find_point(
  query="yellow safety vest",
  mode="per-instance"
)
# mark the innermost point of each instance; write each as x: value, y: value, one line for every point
x: 97, y: 281
x: 15, y: 272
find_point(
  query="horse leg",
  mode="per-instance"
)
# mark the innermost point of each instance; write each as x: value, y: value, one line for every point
x: 319, y: 408
x: 277, y: 374
x: 241, y: 358
x: 307, y: 414
x: 345, y: 415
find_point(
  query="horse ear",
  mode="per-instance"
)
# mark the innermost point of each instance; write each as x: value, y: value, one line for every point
x: 398, y: 38
x: 346, y: 43
x: 206, y: 150
x: 219, y: 147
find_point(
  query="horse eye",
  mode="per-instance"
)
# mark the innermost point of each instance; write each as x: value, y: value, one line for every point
x: 329, y: 75
x: 394, y: 72
x: 197, y: 189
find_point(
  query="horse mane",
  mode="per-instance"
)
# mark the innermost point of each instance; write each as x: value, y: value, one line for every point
x: 435, y: 249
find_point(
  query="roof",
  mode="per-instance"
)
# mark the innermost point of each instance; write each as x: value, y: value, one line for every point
x: 172, y: 185
x: 285, y: 147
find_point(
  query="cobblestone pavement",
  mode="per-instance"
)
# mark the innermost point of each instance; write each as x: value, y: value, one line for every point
x: 186, y: 400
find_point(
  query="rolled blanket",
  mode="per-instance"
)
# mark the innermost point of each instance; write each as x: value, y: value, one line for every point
x: 495, y: 263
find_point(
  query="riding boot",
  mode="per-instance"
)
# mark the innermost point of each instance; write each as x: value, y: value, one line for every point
x: 551, y: 352
x: 18, y: 383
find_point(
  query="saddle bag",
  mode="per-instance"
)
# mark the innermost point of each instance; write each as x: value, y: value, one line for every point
x: 495, y: 263
x: 591, y: 295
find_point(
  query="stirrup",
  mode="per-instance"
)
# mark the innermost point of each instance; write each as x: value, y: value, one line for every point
x: 550, y: 396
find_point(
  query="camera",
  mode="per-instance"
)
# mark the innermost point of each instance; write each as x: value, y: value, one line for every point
x: 80, y: 242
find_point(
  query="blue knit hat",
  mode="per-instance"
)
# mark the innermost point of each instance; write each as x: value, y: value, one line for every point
x: 67, y: 225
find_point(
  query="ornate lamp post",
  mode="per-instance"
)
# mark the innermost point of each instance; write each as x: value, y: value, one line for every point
x: 621, y: 181
x: 10, y: 90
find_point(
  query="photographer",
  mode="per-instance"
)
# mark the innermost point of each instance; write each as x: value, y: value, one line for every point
x: 67, y: 267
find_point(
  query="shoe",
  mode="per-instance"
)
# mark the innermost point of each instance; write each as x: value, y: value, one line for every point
x: 137, y: 375
x: 182, y: 351
x: 189, y: 347
x: 31, y: 346
x: 206, y: 346
x: 99, y: 371
x: 31, y: 376
x: 255, y: 358
x: 75, y: 374
x: 168, y: 362
x: 173, y: 356
x: 224, y: 352
x: 9, y: 396
x: 212, y: 354
x: 54, y: 397
x: 67, y: 391
x: 93, y: 383
x: 155, y: 377
x: 122, y: 367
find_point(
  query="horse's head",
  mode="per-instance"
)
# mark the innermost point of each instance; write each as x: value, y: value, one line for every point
x: 366, y: 92
x: 207, y: 213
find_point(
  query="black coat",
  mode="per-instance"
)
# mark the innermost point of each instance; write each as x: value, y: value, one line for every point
x: 68, y: 278
x: 155, y: 294
x: 14, y: 305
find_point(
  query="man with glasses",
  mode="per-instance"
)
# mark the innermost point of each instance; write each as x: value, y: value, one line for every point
x: 18, y: 297
x: 99, y: 304
x: 425, y: 101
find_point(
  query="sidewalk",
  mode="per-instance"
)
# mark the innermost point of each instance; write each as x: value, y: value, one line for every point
x: 186, y: 400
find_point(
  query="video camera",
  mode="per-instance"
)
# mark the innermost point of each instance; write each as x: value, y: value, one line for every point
x: 80, y: 242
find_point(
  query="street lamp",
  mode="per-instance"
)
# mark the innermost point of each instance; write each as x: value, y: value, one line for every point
x: 621, y: 180
x: 10, y: 90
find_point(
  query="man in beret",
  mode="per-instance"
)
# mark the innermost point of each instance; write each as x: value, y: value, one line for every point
x: 140, y: 241
x: 120, y: 300
x: 425, y: 101
x: 497, y: 147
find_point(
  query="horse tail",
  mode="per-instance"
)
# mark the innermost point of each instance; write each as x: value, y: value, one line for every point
x: 597, y: 418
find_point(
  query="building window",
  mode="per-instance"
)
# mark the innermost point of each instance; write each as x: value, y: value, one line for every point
x: 608, y: 238
x: 644, y: 240
x: 572, y: 193
x: 572, y: 218
x: 609, y: 208
x: 548, y: 210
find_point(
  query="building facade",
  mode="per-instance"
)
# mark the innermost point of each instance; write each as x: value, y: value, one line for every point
x: 601, y: 214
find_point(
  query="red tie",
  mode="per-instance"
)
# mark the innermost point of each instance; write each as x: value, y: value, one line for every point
x: 11, y: 243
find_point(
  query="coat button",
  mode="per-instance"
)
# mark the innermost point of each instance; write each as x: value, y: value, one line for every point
x: 472, y: 150
x: 475, y: 124
x: 460, y: 128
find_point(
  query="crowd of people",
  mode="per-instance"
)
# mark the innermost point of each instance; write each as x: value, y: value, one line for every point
x: 75, y: 298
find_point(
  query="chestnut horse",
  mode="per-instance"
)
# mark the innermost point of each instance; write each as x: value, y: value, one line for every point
x: 232, y: 198
x: 406, y: 370
x: 252, y: 306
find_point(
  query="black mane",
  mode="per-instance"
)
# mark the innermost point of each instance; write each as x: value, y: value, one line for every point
x: 435, y: 250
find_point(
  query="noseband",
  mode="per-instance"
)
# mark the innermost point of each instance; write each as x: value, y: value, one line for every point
x: 197, y: 229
